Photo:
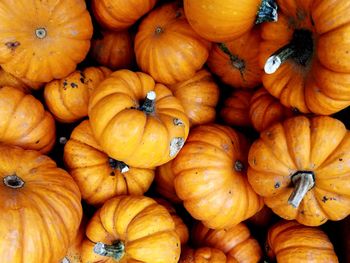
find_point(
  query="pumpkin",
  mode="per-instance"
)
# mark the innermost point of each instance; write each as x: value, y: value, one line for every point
x: 263, y: 218
x: 301, y: 168
x: 40, y: 204
x: 98, y: 176
x: 137, y: 121
x: 292, y: 242
x: 48, y: 44
x: 114, y: 50
x: 236, y: 62
x: 68, y: 98
x: 235, y: 111
x: 120, y: 14
x: 24, y: 121
x: 204, y: 255
x: 167, y: 48
x: 164, y: 181
x: 235, y: 242
x: 306, y: 57
x: 180, y: 227
x: 199, y: 95
x: 131, y: 229
x: 226, y: 20
x: 265, y: 110
x: 7, y: 79
x: 210, y: 177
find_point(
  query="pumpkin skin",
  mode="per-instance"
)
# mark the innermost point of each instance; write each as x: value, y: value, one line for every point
x: 236, y: 108
x: 265, y: 110
x: 24, y: 121
x: 320, y: 84
x: 146, y: 136
x: 114, y: 50
x: 120, y: 14
x: 68, y: 98
x: 41, y: 209
x: 235, y: 242
x: 98, y: 176
x: 144, y: 227
x: 7, y: 79
x: 317, y: 146
x: 204, y: 255
x: 50, y: 46
x: 210, y: 177
x: 292, y: 242
x: 225, y: 20
x: 166, y: 46
x: 236, y: 62
x: 199, y: 95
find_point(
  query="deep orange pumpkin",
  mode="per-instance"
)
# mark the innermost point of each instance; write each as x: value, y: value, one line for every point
x: 306, y: 55
x: 40, y: 204
x: 98, y: 176
x: 301, y: 168
x: 43, y: 40
x: 166, y: 46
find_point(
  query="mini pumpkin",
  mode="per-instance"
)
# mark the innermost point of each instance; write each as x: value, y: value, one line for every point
x: 204, y: 255
x: 7, y: 79
x: 68, y: 98
x: 235, y: 111
x: 265, y: 110
x: 236, y: 62
x: 306, y: 57
x: 226, y: 20
x: 199, y: 95
x: 98, y: 176
x: 131, y: 229
x: 40, y: 204
x: 301, y: 168
x: 137, y: 121
x: 114, y: 50
x: 292, y: 242
x: 210, y: 177
x: 24, y: 121
x: 48, y: 44
x: 166, y: 46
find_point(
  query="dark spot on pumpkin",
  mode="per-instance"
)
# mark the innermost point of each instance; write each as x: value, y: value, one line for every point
x: 295, y: 110
x: 12, y: 45
x: 33, y: 54
x: 302, y: 212
x: 37, y: 141
x: 340, y: 159
x: 73, y: 85
x: 347, y: 52
x: 324, y: 199
x: 239, y: 166
x: 178, y: 14
x: 112, y: 173
x: 277, y: 185
x: 269, y: 135
x: 230, y: 192
x: 82, y: 80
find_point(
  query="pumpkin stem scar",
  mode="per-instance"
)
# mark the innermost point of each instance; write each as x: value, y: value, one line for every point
x: 158, y: 30
x: 65, y: 260
x: 303, y: 181
x: 62, y: 140
x: 267, y: 12
x: 40, y: 32
x: 13, y: 181
x: 12, y: 45
x: 149, y: 103
x: 121, y: 166
x: 116, y: 250
x: 239, y: 166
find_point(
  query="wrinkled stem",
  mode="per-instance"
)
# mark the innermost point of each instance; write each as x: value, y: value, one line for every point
x: 13, y: 181
x: 148, y: 105
x: 303, y: 182
x: 278, y: 58
x: 116, y: 250
x: 267, y: 12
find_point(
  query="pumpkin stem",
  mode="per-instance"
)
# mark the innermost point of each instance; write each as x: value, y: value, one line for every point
x: 303, y: 182
x: 13, y: 181
x: 65, y: 260
x: 267, y: 12
x: 40, y: 32
x: 148, y: 104
x: 116, y: 250
x: 235, y: 60
x: 239, y: 166
x: 277, y: 59
x: 121, y: 166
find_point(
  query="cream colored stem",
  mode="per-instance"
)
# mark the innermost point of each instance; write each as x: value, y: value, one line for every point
x: 303, y: 182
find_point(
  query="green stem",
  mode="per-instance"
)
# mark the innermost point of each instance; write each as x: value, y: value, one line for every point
x: 116, y: 250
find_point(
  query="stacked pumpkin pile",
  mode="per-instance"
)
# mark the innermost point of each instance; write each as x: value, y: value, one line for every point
x: 164, y: 99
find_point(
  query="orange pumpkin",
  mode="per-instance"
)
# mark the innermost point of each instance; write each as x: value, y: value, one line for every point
x: 199, y: 96
x: 204, y: 255
x: 131, y: 229
x: 265, y: 110
x: 120, y: 14
x: 166, y: 46
x: 24, y: 121
x: 262, y: 218
x: 226, y: 20
x: 164, y: 180
x: 98, y: 176
x: 210, y: 177
x: 68, y: 98
x: 235, y: 111
x: 235, y: 242
x: 7, y: 79
x: 48, y: 44
x: 40, y: 204
x: 301, y: 168
x: 114, y: 50
x: 291, y: 242
x: 140, y: 134
x: 306, y: 55
x: 237, y: 62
